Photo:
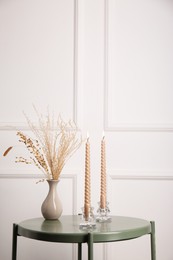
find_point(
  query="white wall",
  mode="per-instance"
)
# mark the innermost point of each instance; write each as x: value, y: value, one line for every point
x: 107, y: 65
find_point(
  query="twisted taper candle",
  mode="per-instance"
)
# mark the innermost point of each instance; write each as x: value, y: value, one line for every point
x: 87, y: 180
x: 103, y: 175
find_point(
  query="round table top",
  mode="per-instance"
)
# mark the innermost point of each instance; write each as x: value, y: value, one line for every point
x: 67, y: 230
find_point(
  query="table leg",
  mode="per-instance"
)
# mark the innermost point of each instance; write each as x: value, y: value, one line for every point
x: 14, y: 242
x: 153, y: 243
x: 90, y: 246
x: 79, y: 251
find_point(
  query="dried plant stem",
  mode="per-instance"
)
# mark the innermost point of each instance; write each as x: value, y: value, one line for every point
x: 53, y: 146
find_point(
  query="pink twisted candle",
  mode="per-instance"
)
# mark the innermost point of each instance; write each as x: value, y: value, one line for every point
x: 87, y: 180
x: 103, y: 175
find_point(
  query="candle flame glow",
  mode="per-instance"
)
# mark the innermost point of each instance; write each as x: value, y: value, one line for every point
x: 87, y: 136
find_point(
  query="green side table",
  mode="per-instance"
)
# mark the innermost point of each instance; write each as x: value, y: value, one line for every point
x: 66, y: 230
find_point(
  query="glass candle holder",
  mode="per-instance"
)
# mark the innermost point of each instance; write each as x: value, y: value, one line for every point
x: 103, y: 214
x: 87, y: 222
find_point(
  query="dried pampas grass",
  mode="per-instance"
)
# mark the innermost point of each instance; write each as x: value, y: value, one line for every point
x: 55, y: 143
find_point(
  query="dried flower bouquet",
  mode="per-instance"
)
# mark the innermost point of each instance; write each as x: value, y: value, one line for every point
x: 55, y: 143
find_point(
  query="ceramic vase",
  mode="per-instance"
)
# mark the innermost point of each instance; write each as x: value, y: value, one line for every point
x: 52, y: 207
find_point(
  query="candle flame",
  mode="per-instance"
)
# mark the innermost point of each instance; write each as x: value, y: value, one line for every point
x: 87, y: 136
x: 103, y: 135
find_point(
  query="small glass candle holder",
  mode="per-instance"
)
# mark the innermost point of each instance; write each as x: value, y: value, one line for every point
x: 103, y: 214
x: 87, y: 222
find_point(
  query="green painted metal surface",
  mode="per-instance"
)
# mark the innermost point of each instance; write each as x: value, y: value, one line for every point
x: 66, y: 230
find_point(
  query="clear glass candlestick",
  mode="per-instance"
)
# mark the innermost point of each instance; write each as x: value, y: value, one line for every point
x: 87, y: 222
x: 103, y: 213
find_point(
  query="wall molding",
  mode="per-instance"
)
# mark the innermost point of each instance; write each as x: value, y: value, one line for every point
x: 138, y: 128
x: 75, y: 62
x: 143, y: 177
x: 14, y: 126
x: 73, y: 177
x: 147, y: 175
x: 146, y: 127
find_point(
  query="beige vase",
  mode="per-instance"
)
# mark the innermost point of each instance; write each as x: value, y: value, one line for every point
x: 52, y: 206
